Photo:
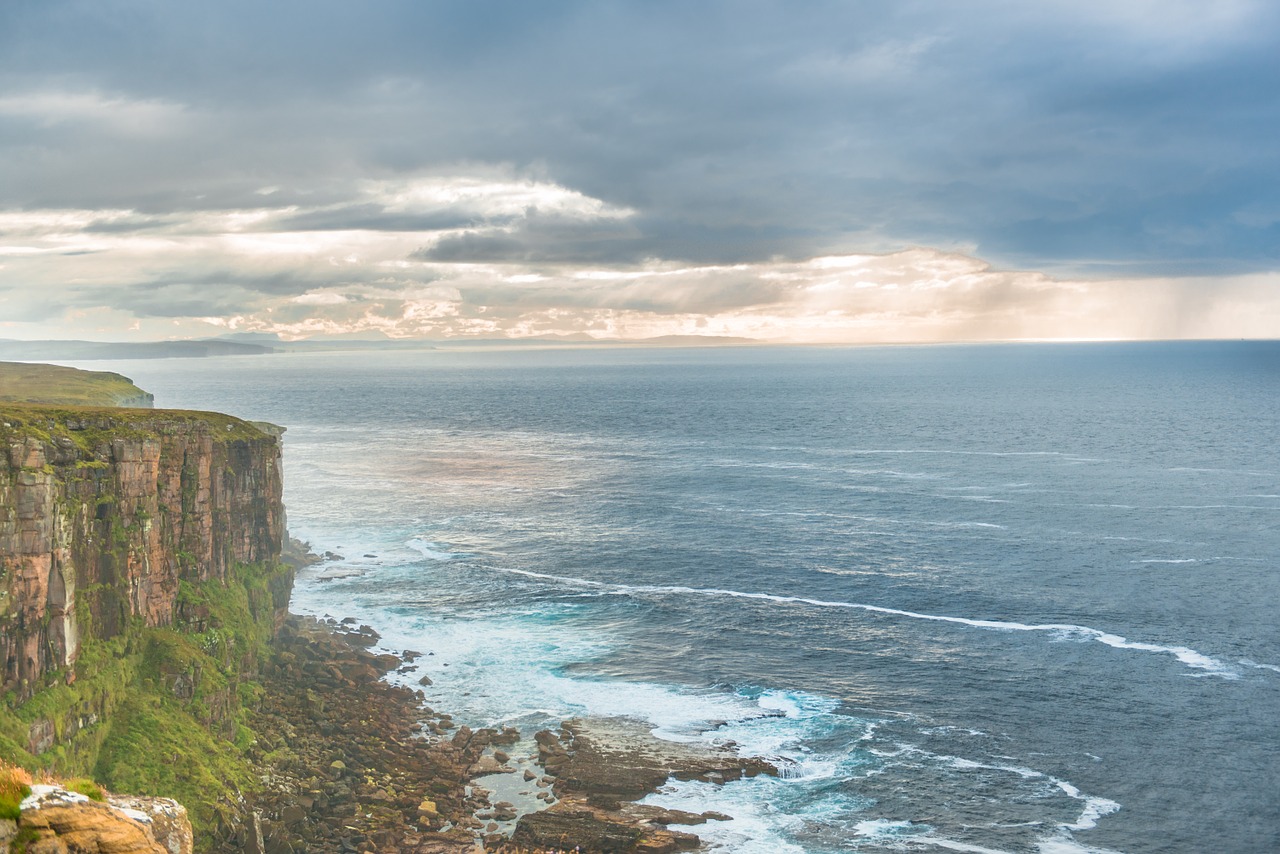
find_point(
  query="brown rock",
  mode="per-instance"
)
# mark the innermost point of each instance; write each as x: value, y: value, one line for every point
x: 582, y: 828
x: 167, y: 820
x: 620, y: 759
x: 69, y: 822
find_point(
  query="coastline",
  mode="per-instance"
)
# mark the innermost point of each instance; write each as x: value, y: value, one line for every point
x: 352, y: 761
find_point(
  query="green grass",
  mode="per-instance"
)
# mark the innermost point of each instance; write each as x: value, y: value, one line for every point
x: 86, y: 787
x: 150, y: 739
x: 34, y: 383
x: 14, y: 786
x: 97, y: 426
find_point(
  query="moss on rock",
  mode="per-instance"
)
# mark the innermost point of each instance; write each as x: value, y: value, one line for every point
x: 163, y: 711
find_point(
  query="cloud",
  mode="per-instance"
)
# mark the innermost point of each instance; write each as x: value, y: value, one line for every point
x: 148, y: 151
x: 118, y: 115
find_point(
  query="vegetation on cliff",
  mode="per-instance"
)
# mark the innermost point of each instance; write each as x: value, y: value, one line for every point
x: 15, y: 784
x: 33, y: 383
x: 140, y: 584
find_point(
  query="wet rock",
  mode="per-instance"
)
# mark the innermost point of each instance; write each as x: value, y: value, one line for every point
x: 488, y: 765
x: 620, y: 759
x: 580, y: 828
x: 662, y: 816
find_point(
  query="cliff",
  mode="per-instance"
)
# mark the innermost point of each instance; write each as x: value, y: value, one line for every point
x: 139, y: 584
x: 102, y: 515
x: 29, y: 383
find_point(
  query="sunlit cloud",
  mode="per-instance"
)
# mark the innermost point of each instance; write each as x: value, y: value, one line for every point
x: 252, y: 270
x: 867, y: 172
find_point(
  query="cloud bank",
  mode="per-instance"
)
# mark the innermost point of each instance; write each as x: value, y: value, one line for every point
x: 836, y: 172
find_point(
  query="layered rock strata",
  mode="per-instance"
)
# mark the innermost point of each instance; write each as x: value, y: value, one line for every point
x: 104, y: 514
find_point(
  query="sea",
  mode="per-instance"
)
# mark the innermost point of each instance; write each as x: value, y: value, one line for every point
x: 976, y: 598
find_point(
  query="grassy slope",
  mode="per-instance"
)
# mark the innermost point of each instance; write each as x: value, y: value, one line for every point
x: 150, y: 740
x: 30, y: 383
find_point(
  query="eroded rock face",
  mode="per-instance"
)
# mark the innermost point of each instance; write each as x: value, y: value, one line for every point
x: 101, y: 520
x: 54, y: 820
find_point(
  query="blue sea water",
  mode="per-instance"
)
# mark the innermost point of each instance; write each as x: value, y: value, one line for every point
x: 1015, y: 598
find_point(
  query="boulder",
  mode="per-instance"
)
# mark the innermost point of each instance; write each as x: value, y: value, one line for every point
x: 68, y: 821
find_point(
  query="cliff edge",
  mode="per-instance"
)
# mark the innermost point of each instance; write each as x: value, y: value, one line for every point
x: 104, y: 514
x: 140, y: 581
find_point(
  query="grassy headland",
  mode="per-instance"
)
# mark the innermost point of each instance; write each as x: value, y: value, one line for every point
x: 21, y: 382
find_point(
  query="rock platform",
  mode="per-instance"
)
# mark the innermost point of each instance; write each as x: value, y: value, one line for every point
x: 353, y: 763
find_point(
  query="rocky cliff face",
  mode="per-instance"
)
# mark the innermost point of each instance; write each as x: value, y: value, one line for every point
x: 105, y: 514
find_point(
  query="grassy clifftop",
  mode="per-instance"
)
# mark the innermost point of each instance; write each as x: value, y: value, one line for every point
x: 21, y: 382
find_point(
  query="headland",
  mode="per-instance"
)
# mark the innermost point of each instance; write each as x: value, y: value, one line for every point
x: 148, y: 657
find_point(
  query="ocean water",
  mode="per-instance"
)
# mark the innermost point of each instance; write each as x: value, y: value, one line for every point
x: 1016, y: 598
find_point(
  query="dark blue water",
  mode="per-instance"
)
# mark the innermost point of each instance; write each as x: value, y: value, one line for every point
x: 976, y: 598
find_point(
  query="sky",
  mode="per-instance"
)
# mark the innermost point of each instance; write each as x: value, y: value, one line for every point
x: 920, y: 170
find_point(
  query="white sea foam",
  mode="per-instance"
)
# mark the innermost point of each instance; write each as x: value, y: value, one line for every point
x: 966, y: 453
x: 1257, y: 666
x: 1215, y: 507
x: 1186, y: 655
x: 1213, y: 559
x: 880, y: 827
x: 1092, y: 807
x: 506, y: 668
x: 1063, y: 843
x: 952, y: 845
x: 756, y: 827
x: 430, y: 550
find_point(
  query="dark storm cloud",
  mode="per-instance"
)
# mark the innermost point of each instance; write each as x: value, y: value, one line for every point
x: 1083, y: 136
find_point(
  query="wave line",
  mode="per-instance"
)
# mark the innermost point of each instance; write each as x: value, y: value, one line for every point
x: 1189, y: 657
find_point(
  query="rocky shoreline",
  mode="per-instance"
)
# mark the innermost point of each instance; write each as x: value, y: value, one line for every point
x: 353, y: 763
